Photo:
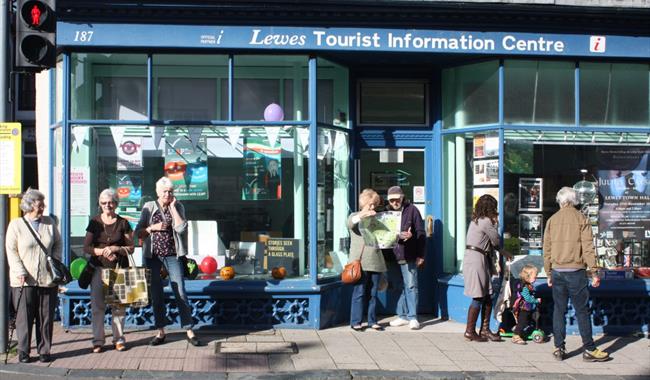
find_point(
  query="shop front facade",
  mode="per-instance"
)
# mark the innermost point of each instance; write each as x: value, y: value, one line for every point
x: 269, y: 132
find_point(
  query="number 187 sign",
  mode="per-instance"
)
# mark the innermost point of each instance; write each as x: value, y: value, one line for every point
x: 11, y: 158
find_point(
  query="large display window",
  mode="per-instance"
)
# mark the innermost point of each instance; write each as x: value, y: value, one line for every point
x: 243, y: 188
x: 611, y: 173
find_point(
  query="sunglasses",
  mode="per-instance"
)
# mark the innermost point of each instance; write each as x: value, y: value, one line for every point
x: 106, y: 203
x: 395, y: 200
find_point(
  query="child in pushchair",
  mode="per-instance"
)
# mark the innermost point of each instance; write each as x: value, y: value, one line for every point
x: 521, y: 319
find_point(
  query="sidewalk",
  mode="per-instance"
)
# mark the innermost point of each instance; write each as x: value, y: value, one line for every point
x: 438, y: 350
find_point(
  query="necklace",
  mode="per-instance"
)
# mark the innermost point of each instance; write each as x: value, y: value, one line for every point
x: 109, y: 236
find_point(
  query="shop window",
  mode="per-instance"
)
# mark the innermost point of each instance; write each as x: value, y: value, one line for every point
x: 186, y: 87
x: 614, y: 94
x: 539, y: 92
x: 325, y: 96
x: 470, y: 95
x: 262, y: 83
x: 471, y: 169
x: 393, y: 102
x: 109, y: 86
x: 333, y: 207
x: 612, y: 172
x: 244, y: 188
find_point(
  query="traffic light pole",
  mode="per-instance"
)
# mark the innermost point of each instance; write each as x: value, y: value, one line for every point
x: 4, y: 90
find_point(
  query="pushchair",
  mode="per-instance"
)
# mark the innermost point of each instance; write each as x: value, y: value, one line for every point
x: 505, y: 313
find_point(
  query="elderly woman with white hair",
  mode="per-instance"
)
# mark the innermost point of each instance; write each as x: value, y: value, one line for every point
x: 163, y: 230
x: 109, y: 241
x: 568, y: 251
x: 33, y: 293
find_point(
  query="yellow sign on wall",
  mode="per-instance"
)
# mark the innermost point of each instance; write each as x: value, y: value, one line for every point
x: 11, y: 154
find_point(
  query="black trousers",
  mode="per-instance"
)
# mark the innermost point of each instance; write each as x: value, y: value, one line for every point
x: 36, y: 304
x: 523, y: 321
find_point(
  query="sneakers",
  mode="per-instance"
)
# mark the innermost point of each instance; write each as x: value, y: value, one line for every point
x: 559, y: 354
x: 399, y: 322
x: 414, y: 324
x: 516, y: 339
x: 595, y: 355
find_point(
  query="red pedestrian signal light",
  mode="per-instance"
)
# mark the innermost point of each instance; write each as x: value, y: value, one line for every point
x: 36, y: 35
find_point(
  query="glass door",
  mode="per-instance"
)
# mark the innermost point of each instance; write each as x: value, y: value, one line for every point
x: 381, y: 168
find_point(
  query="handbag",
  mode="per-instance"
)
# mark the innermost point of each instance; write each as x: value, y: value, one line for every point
x: 352, y: 271
x: 126, y: 286
x: 86, y: 276
x: 59, y: 271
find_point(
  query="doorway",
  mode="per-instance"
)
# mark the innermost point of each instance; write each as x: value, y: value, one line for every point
x: 381, y: 168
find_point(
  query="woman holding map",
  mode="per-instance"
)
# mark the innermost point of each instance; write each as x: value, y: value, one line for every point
x: 372, y: 263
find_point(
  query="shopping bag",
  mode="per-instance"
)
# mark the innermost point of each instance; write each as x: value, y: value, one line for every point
x: 126, y: 286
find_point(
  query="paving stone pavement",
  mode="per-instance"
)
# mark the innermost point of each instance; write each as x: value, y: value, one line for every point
x: 436, y: 351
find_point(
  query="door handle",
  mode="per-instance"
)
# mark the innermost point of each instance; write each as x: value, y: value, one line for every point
x: 429, y: 226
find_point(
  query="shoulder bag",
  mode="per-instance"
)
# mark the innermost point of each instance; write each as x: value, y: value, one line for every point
x: 60, y: 273
x: 352, y: 270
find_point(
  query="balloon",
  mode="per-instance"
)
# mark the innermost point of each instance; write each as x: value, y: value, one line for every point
x: 77, y: 266
x: 273, y: 112
x: 208, y: 265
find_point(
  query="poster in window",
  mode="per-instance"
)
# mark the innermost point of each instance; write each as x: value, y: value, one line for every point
x: 129, y: 154
x: 129, y: 189
x: 486, y: 146
x: 530, y: 230
x: 486, y: 172
x: 186, y: 165
x: 480, y: 191
x: 382, y: 229
x: 624, y: 189
x: 530, y: 194
x: 262, y: 170
x: 279, y: 252
x: 80, y: 191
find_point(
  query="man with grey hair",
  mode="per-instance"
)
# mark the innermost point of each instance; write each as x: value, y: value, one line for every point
x: 568, y: 251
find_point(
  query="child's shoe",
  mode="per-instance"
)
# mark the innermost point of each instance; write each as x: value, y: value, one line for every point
x: 516, y: 339
x: 595, y: 356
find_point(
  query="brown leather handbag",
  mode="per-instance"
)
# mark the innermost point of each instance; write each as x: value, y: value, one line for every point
x: 352, y: 270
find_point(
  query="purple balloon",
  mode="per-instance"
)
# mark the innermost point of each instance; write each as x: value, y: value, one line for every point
x: 273, y: 112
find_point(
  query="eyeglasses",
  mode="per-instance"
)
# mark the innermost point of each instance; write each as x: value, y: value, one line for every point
x: 106, y: 203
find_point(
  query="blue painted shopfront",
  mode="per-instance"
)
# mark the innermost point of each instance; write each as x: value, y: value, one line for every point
x: 314, y: 301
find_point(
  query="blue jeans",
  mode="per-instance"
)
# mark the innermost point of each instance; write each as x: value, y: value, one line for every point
x: 175, y: 270
x: 407, y: 284
x: 365, y: 291
x: 574, y: 285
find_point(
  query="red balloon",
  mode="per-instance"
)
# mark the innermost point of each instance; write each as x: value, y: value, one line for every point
x: 208, y: 265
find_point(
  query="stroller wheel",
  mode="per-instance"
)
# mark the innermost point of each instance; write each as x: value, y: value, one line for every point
x: 538, y: 336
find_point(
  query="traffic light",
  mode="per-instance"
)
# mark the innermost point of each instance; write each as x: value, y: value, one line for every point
x: 35, y: 34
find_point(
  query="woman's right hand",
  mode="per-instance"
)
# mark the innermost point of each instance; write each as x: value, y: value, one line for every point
x: 108, y: 254
x: 21, y: 280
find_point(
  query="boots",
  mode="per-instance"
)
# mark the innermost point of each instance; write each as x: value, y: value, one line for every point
x: 470, y: 329
x: 485, y: 332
